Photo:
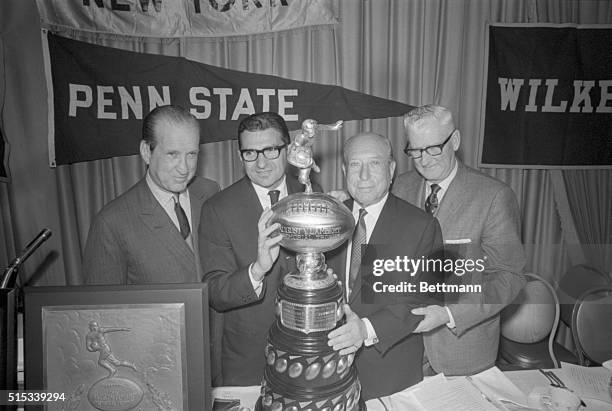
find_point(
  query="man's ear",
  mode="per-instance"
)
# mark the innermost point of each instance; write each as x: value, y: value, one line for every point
x: 145, y: 152
x: 343, y: 170
x: 392, y: 165
x: 456, y: 140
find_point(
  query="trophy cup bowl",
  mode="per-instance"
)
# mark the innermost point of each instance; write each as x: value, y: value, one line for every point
x: 312, y: 223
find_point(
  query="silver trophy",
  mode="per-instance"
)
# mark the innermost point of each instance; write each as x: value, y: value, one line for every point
x: 302, y: 371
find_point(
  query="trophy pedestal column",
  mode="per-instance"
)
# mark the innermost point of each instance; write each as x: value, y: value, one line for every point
x: 302, y: 371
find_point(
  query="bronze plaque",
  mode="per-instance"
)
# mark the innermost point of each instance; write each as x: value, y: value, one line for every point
x: 108, y: 357
x: 119, y: 348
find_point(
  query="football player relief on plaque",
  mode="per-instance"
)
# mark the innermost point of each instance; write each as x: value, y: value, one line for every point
x: 302, y: 372
x: 116, y: 358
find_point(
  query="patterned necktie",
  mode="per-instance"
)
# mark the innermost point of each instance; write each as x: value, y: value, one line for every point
x: 273, y: 196
x: 431, y: 204
x: 359, y: 239
x: 182, y: 218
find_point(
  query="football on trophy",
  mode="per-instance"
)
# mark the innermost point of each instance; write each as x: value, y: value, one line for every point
x: 314, y: 222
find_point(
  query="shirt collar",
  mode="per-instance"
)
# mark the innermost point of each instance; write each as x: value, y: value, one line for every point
x: 373, y: 210
x: 159, y: 193
x: 262, y: 192
x: 444, y: 184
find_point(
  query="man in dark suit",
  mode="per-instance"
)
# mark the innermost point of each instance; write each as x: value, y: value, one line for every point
x: 147, y: 235
x: 241, y: 261
x: 480, y: 221
x: 379, y: 327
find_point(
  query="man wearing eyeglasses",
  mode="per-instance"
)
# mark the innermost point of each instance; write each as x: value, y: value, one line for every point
x: 240, y: 259
x: 480, y: 221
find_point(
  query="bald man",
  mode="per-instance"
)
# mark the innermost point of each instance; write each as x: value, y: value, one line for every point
x: 379, y: 328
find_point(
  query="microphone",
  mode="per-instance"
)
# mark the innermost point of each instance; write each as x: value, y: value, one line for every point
x: 28, y: 250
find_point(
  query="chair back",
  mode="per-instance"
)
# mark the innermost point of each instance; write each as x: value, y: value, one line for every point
x: 577, y: 280
x: 533, y: 315
x: 592, y: 325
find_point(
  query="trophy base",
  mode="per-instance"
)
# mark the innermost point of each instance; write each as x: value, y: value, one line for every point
x: 361, y: 406
x: 286, y: 397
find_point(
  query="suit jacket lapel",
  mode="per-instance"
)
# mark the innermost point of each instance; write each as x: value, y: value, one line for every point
x: 454, y: 196
x: 196, y: 198
x: 164, y: 231
x: 420, y: 194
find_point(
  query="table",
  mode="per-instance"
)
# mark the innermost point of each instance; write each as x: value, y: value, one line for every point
x: 525, y: 380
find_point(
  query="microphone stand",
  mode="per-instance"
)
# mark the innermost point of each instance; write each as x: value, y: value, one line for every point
x: 8, y: 314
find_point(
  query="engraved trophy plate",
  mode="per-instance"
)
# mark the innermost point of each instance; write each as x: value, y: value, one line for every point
x: 308, y: 318
x: 116, y: 357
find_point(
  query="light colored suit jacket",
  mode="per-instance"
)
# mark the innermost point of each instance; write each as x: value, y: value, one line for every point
x: 479, y: 218
x: 134, y: 241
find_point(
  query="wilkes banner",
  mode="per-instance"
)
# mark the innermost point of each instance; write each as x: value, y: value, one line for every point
x: 548, y: 97
x: 185, y: 18
x: 99, y: 95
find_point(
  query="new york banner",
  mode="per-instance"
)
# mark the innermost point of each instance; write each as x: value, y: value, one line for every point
x: 548, y: 97
x: 99, y: 95
x: 185, y: 18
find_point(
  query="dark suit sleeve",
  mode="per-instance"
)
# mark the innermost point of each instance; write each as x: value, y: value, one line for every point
x: 395, y: 321
x: 229, y: 285
x: 104, y: 261
x: 505, y: 259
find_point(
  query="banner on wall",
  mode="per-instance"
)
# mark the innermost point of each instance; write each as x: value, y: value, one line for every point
x: 99, y: 95
x: 4, y: 174
x: 547, y: 97
x: 4, y: 170
x: 185, y: 18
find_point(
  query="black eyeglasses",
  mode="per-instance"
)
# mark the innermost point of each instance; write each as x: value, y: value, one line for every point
x: 435, y: 150
x: 270, y: 153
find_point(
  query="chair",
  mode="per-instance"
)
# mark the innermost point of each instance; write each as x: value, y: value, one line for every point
x: 575, y: 282
x: 592, y: 326
x: 524, y: 326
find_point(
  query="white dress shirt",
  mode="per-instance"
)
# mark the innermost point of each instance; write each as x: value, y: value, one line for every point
x: 444, y: 184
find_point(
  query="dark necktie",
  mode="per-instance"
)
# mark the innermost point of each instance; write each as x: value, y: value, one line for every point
x: 182, y: 218
x: 273, y: 196
x: 359, y: 239
x: 431, y: 204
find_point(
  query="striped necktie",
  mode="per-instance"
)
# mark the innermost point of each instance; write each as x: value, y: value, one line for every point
x: 431, y: 203
x: 359, y: 239
x: 182, y: 218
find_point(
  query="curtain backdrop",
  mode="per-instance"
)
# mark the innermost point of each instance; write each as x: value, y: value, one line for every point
x: 415, y: 51
x: 590, y: 196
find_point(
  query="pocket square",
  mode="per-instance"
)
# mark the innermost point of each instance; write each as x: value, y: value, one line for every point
x: 458, y: 241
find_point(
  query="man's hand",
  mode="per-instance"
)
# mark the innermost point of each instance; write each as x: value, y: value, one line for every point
x: 435, y: 316
x: 349, y: 337
x: 267, y: 247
